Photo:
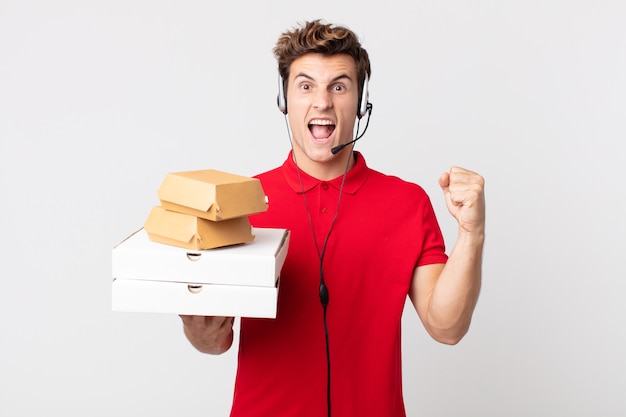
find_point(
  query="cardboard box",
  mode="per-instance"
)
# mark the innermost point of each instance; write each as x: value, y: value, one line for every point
x: 238, y: 281
x: 194, y: 299
x: 191, y: 232
x: 257, y: 263
x: 211, y: 194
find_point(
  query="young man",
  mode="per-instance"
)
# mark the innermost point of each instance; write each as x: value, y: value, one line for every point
x: 361, y: 242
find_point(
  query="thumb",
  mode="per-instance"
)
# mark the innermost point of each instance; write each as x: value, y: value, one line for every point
x: 444, y: 182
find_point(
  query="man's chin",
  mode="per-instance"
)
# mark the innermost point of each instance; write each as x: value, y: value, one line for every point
x: 318, y: 155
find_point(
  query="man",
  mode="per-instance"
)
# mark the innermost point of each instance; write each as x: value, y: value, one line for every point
x: 361, y: 242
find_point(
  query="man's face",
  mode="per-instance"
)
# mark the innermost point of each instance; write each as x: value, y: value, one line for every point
x: 322, y: 97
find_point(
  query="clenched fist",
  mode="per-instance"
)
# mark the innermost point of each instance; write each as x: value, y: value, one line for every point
x: 465, y: 199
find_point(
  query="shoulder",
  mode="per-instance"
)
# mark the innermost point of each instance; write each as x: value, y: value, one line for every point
x: 395, y: 184
x: 395, y: 194
x: 272, y: 179
x: 269, y: 174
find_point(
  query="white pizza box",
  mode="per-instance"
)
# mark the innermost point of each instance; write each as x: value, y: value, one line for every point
x: 142, y: 296
x: 256, y: 263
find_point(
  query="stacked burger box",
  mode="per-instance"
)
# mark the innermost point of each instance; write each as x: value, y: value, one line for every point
x: 197, y: 253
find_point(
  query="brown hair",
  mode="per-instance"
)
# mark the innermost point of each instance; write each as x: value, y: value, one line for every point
x: 322, y: 38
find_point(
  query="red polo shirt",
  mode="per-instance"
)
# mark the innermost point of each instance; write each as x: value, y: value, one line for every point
x: 385, y: 228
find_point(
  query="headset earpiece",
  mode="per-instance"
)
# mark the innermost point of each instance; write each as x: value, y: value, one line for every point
x: 282, y: 98
x: 364, y: 100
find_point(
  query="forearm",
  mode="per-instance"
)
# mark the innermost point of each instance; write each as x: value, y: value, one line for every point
x: 455, y: 293
x: 212, y: 335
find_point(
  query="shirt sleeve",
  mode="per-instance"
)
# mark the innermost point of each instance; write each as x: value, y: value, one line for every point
x: 433, y: 245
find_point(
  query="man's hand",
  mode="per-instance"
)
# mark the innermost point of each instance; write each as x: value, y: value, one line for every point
x: 464, y: 194
x: 212, y: 335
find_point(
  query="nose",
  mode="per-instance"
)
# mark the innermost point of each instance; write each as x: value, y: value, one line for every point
x: 322, y: 99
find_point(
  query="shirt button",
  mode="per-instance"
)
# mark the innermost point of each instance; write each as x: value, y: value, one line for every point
x: 324, y: 186
x: 324, y: 210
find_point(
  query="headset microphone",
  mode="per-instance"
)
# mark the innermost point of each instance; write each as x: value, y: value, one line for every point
x: 338, y: 148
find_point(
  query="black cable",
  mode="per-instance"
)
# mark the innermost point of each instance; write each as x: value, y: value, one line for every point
x: 370, y: 106
x: 324, y: 299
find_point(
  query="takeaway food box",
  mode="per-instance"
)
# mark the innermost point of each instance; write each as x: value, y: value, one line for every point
x: 198, y: 254
x: 205, y: 209
x: 211, y: 194
x: 238, y: 280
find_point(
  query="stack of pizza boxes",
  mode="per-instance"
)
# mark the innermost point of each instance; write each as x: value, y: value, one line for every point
x: 197, y: 252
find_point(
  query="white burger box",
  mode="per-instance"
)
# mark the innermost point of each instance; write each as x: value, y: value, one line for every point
x: 238, y: 281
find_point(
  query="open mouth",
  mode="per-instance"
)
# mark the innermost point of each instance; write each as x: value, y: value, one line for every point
x: 321, y: 129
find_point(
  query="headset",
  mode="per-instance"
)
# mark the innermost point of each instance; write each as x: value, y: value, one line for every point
x: 363, y: 107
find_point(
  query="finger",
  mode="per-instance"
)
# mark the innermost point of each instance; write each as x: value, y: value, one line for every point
x: 465, y: 188
x: 206, y: 322
x: 194, y: 322
x: 460, y: 170
x: 460, y: 175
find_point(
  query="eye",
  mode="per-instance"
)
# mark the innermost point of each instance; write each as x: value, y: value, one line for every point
x: 338, y: 88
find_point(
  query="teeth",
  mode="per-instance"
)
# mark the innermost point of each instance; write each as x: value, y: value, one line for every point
x: 321, y: 122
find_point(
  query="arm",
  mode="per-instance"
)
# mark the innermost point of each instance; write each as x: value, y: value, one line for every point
x: 212, y: 335
x: 445, y: 296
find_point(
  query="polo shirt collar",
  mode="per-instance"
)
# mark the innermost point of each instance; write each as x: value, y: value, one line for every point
x: 355, y: 177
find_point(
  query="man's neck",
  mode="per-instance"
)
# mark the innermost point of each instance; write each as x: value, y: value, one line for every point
x: 326, y: 171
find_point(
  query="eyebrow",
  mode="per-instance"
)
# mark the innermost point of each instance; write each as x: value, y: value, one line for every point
x: 337, y: 78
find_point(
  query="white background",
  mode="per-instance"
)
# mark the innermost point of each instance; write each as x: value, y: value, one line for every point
x: 100, y: 99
